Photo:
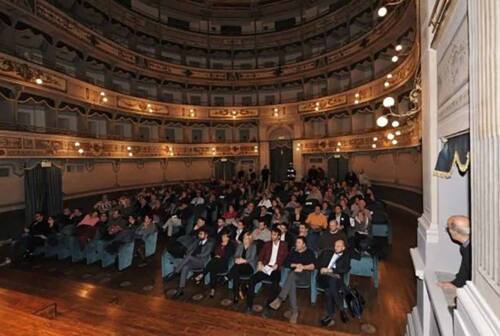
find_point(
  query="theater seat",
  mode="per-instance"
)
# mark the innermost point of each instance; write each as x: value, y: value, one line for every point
x: 366, y: 266
x: 150, y: 244
x: 125, y: 256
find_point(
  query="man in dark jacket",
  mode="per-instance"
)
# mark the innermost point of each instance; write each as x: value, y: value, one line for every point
x: 458, y: 228
x: 332, y: 266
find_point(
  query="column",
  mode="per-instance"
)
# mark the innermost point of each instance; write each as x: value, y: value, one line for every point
x: 478, y: 303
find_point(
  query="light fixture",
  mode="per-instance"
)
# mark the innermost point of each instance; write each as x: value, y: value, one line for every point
x: 130, y: 154
x: 316, y: 108
x: 104, y: 99
x: 394, y: 58
x: 129, y: 148
x: 387, y: 84
x: 356, y: 95
x: 394, y: 142
x: 102, y: 93
x: 339, y: 144
x: 389, y: 76
x: 374, y: 145
x: 382, y: 11
x: 39, y: 81
x: 77, y: 144
x: 148, y: 105
x: 399, y: 47
x: 338, y: 149
x: 382, y: 121
x: 234, y: 117
x: 375, y: 139
x: 356, y: 101
x: 398, y: 133
x: 395, y: 123
x: 80, y: 151
x: 150, y: 110
x: 317, y: 103
x: 390, y: 136
x: 388, y: 102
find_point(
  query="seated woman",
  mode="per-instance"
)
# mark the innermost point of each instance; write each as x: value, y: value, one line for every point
x: 86, y: 229
x: 362, y: 232
x: 245, y: 260
x: 219, y: 262
x: 230, y: 215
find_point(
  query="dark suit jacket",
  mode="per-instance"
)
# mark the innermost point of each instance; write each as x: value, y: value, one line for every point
x: 343, y: 265
x: 327, y: 239
x: 206, y: 250
x: 464, y: 273
x: 344, y: 220
x: 267, y: 250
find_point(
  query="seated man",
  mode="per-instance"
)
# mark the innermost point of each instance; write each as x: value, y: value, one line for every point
x: 271, y: 259
x: 328, y: 238
x: 32, y: 236
x: 332, y: 265
x: 316, y: 220
x: 341, y: 218
x: 458, y: 228
x: 286, y: 236
x: 86, y: 229
x: 311, y: 239
x: 175, y: 221
x: 197, y: 255
x: 301, y: 262
x: 261, y: 233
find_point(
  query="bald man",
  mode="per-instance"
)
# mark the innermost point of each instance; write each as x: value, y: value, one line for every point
x: 458, y: 228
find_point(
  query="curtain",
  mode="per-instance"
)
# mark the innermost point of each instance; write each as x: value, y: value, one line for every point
x: 280, y: 156
x: 42, y: 191
x: 455, y: 151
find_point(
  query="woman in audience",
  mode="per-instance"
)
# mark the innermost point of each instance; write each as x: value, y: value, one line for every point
x: 245, y: 260
x: 219, y: 263
x: 86, y: 229
x: 230, y: 215
x: 362, y: 232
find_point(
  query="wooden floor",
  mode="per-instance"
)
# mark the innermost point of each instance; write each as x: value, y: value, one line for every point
x: 132, y: 303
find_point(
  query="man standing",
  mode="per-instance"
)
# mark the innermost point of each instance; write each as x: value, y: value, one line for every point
x: 264, y: 175
x: 301, y: 262
x: 458, y: 228
x: 271, y: 259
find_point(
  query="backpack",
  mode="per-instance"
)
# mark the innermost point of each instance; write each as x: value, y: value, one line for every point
x: 355, y: 302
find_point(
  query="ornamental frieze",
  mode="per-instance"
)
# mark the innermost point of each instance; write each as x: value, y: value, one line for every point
x: 229, y: 113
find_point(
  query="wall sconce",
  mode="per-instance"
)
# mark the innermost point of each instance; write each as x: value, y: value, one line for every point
x: 382, y: 11
x: 130, y: 154
x: 39, y: 81
x: 192, y: 113
x: 80, y: 151
x: 395, y: 123
x: 255, y: 148
x: 77, y: 144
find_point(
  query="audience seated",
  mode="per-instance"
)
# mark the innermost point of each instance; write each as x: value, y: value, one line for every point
x: 329, y: 237
x: 271, y: 259
x: 301, y: 262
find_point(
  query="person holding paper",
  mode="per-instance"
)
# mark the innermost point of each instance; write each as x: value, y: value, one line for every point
x: 271, y: 259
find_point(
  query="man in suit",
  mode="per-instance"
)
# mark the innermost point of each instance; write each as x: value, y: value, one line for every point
x: 197, y: 255
x: 342, y: 218
x: 458, y: 228
x: 332, y: 265
x: 286, y: 236
x: 271, y: 259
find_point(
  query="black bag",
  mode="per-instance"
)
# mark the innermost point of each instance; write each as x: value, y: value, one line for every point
x: 355, y: 302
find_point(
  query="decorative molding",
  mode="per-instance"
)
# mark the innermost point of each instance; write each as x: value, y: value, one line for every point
x: 233, y: 113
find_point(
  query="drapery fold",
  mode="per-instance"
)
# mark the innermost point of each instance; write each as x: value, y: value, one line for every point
x: 454, y: 151
x: 42, y: 191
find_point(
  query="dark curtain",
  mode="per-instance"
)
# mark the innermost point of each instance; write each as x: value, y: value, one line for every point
x: 337, y: 168
x: 280, y: 155
x: 454, y: 151
x: 42, y: 191
x: 224, y: 170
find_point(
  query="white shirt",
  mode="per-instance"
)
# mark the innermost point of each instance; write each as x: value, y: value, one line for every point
x: 274, y: 254
x: 282, y: 237
x: 265, y: 203
x: 198, y: 200
x: 332, y: 262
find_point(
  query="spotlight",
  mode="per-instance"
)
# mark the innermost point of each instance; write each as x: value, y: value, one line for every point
x: 390, y: 136
x: 39, y: 81
x: 80, y: 151
x: 395, y: 124
x: 388, y: 102
x: 382, y: 121
x: 394, y: 59
x: 394, y: 142
x: 374, y: 145
x: 399, y: 47
x: 398, y: 133
x: 382, y: 11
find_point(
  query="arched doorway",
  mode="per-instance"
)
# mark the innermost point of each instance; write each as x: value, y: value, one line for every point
x: 280, y: 152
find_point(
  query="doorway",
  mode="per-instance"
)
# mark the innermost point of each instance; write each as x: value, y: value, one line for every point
x: 280, y: 155
x: 338, y: 167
